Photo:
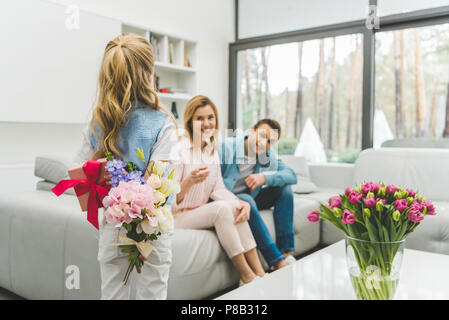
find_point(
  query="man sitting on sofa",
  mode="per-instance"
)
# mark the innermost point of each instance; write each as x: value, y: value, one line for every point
x: 247, y: 164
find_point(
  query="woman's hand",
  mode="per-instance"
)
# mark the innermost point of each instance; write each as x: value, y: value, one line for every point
x: 198, y: 175
x: 242, y: 212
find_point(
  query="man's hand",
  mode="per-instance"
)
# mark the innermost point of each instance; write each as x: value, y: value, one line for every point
x: 255, y: 180
x: 242, y: 212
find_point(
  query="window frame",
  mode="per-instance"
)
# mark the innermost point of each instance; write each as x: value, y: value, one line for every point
x: 420, y: 18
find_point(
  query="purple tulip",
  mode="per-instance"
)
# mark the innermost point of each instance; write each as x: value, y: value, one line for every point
x: 415, y: 216
x: 411, y: 193
x: 370, y: 202
x: 430, y: 208
x: 314, y: 216
x: 355, y: 197
x: 335, y: 202
x: 391, y: 189
x: 376, y: 187
x: 401, y: 205
x: 367, y: 187
x: 381, y: 200
x: 348, y: 217
x: 348, y: 191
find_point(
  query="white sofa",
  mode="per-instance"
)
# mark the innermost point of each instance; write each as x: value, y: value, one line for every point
x: 40, y: 234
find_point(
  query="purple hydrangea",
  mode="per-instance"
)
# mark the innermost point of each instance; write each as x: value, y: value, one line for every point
x: 116, y: 170
x: 136, y: 176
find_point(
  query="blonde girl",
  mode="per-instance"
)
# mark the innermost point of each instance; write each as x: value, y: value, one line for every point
x: 199, y: 174
x: 128, y: 116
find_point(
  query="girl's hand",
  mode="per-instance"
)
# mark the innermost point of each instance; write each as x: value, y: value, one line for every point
x: 243, y: 211
x: 198, y: 175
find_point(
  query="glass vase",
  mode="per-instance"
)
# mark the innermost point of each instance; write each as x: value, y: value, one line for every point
x: 374, y: 267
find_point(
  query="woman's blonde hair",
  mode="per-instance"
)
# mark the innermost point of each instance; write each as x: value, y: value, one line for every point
x: 190, y: 109
x: 125, y: 79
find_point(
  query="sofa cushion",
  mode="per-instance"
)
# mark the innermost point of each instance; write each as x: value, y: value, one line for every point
x: 432, y: 234
x: 299, y: 165
x: 52, y: 168
x: 44, y: 185
x: 329, y: 234
x: 424, y: 170
x: 321, y: 196
x: 41, y: 234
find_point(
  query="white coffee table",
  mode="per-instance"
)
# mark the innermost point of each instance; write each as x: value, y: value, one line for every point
x: 323, y: 275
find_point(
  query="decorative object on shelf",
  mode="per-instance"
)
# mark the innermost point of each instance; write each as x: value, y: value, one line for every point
x: 170, y: 53
x: 174, y: 110
x: 376, y: 219
x: 172, y: 80
x: 173, y: 90
x: 156, y: 82
x: 187, y: 60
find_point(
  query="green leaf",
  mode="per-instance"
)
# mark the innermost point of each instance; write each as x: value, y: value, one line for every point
x: 386, y: 237
x: 171, y: 175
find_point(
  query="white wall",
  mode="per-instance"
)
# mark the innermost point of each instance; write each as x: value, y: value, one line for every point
x: 262, y: 17
x: 209, y: 22
x: 387, y: 7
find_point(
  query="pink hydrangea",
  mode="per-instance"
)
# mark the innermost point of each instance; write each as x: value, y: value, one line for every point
x: 314, y: 216
x: 127, y: 201
x: 348, y: 217
x: 401, y: 205
x: 355, y: 197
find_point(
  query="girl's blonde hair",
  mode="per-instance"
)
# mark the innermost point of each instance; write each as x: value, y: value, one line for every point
x: 125, y: 79
x: 190, y: 109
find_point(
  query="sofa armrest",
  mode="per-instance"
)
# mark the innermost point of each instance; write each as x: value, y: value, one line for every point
x: 332, y: 175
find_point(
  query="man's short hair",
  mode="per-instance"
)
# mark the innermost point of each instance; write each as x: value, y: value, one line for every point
x: 271, y: 122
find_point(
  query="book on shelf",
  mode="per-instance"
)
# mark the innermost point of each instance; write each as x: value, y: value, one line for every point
x: 170, y: 52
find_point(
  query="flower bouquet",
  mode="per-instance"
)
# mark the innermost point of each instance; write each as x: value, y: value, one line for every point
x: 137, y: 204
x: 376, y: 219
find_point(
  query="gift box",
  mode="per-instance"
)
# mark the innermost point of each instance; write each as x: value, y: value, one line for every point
x: 78, y: 173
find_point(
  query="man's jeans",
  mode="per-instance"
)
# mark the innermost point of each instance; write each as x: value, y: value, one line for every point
x: 282, y: 200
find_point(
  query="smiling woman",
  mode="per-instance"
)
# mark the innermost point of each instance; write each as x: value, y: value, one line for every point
x: 204, y: 200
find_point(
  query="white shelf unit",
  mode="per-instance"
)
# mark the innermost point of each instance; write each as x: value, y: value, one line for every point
x: 175, y: 62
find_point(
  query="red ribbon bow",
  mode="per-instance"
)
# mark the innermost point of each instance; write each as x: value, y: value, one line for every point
x: 96, y: 191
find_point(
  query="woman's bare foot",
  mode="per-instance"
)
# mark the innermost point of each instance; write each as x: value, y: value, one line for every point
x: 280, y: 264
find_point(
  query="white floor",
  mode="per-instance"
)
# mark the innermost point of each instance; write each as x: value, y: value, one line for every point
x: 6, y: 295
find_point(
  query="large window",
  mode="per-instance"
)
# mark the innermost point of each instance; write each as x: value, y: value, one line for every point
x: 338, y: 89
x: 313, y: 88
x: 412, y: 69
